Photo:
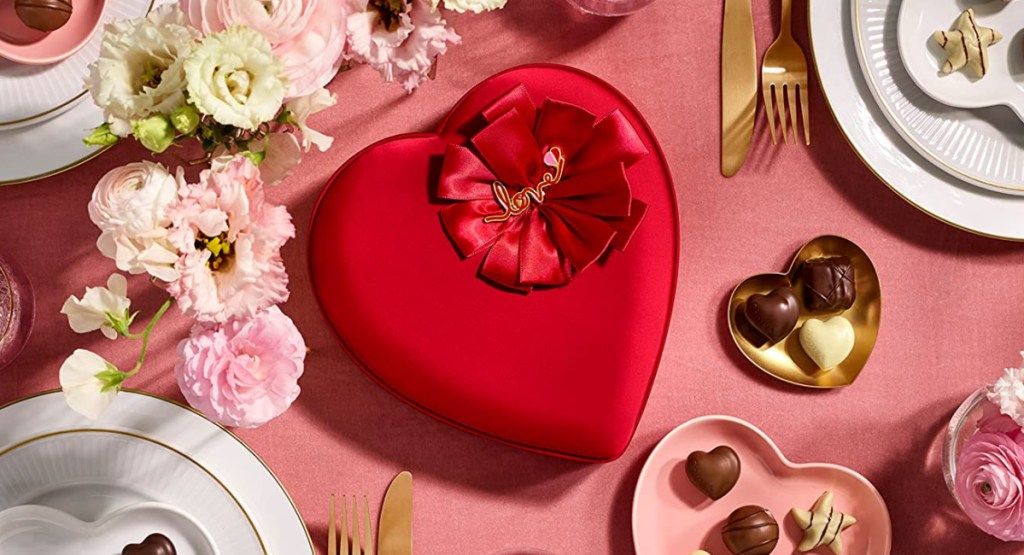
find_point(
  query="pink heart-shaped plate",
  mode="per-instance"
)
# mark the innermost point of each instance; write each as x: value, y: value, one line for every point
x: 671, y: 516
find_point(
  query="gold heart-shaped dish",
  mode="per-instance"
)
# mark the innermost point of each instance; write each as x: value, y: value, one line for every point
x: 787, y: 360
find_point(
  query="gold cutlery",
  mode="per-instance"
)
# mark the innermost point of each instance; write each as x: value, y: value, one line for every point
x: 739, y: 84
x: 353, y: 538
x: 395, y: 534
x: 784, y: 72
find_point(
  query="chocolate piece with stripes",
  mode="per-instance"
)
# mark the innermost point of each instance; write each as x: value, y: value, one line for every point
x: 750, y: 530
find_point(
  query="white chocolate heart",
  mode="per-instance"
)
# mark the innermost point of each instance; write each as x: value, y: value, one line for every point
x: 828, y: 342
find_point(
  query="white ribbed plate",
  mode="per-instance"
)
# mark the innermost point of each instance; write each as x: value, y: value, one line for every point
x: 983, y: 147
x: 174, y: 454
x: 922, y: 56
x: 92, y: 475
x: 31, y: 94
x: 906, y: 172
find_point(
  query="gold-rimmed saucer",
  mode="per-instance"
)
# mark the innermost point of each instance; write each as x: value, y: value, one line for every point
x: 786, y: 360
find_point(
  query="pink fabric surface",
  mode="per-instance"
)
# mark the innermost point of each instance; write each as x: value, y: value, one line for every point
x: 951, y: 318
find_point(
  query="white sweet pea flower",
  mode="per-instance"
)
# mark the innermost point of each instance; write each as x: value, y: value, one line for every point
x: 101, y: 308
x: 90, y: 384
x: 475, y: 6
x: 303, y: 107
x: 234, y: 77
x: 1008, y: 394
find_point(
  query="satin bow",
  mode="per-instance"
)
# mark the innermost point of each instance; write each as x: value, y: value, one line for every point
x: 542, y: 194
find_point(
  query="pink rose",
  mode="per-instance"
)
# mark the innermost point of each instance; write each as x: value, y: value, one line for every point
x: 243, y: 373
x: 308, y: 36
x: 990, y: 484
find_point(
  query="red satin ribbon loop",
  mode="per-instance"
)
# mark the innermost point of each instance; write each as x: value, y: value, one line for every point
x: 559, y: 227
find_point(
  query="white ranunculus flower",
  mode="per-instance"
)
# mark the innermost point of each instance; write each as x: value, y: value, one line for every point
x: 140, y: 67
x: 90, y: 383
x: 305, y: 106
x: 129, y: 206
x: 101, y: 308
x: 234, y: 77
x: 475, y: 6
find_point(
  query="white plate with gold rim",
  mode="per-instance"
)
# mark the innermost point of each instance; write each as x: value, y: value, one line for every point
x: 32, y: 94
x: 983, y: 147
x: 1003, y: 83
x: 907, y: 173
x: 144, y: 450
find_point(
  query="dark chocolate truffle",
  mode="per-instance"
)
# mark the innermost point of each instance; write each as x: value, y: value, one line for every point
x: 154, y: 544
x: 829, y: 283
x: 43, y: 15
x: 750, y: 530
x: 775, y: 314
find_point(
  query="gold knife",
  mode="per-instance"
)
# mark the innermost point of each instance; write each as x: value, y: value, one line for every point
x: 739, y: 84
x: 395, y: 534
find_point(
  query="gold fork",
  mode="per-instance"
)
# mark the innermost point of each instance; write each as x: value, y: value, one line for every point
x: 352, y: 533
x: 784, y: 72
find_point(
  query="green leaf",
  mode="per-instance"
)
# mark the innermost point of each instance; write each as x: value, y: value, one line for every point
x: 256, y: 157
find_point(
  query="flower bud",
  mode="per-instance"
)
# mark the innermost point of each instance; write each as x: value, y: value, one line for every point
x: 185, y: 119
x: 155, y: 132
x: 101, y: 136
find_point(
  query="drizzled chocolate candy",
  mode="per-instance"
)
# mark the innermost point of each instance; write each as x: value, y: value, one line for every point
x: 750, y: 530
x: 829, y: 283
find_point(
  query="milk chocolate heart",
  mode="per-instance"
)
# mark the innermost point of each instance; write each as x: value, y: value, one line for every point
x: 563, y: 371
x: 828, y: 342
x: 775, y: 314
x: 714, y: 473
x: 154, y: 544
x: 786, y: 360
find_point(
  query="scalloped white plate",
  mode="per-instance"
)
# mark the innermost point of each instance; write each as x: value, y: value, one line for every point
x: 982, y: 147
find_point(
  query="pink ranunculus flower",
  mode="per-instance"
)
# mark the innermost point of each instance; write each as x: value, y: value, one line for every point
x: 401, y: 44
x: 990, y: 484
x: 230, y: 241
x: 243, y: 373
x: 307, y: 36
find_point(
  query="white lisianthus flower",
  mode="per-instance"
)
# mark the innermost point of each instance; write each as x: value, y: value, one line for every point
x: 234, y: 77
x: 90, y: 384
x: 140, y: 67
x: 475, y: 6
x: 1008, y: 394
x: 129, y: 206
x: 305, y: 106
x: 101, y: 308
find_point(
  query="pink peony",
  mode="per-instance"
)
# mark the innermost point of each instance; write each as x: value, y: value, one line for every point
x: 990, y: 484
x: 230, y: 241
x: 402, y: 40
x: 243, y: 373
x: 307, y: 36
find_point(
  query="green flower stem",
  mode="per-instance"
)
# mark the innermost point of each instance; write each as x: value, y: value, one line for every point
x: 145, y: 335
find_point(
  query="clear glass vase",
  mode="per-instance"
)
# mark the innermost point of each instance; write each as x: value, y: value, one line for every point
x: 610, y: 7
x: 961, y: 427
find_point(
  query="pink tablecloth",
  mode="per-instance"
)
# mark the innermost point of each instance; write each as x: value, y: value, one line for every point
x: 952, y: 317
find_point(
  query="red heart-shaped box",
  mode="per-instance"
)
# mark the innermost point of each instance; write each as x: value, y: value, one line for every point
x: 563, y: 371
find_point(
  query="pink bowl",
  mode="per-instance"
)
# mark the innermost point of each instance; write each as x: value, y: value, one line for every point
x: 22, y: 44
x: 670, y: 516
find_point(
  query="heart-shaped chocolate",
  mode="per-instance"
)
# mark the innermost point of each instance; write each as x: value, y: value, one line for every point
x: 827, y: 342
x: 775, y: 314
x: 786, y: 360
x: 563, y: 371
x: 714, y: 473
x: 154, y: 544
